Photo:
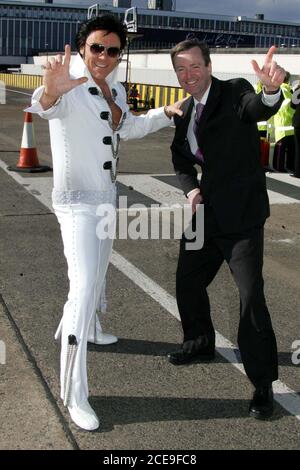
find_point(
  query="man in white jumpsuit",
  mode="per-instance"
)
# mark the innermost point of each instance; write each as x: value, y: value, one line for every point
x: 88, y: 114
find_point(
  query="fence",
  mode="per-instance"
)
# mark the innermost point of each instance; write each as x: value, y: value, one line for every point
x: 150, y: 95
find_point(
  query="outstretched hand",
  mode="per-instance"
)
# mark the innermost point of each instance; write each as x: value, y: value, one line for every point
x: 271, y: 74
x: 172, y: 109
x: 57, y: 79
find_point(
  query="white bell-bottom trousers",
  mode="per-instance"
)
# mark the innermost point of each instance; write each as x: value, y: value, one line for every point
x: 87, y: 257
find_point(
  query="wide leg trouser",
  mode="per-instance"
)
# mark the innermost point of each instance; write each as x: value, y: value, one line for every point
x: 87, y: 258
x: 196, y: 270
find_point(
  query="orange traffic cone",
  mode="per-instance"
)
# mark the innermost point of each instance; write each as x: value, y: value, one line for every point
x: 28, y: 160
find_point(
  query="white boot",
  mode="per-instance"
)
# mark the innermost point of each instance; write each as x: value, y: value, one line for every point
x: 98, y: 338
x: 102, y: 338
x: 96, y: 335
x: 84, y: 416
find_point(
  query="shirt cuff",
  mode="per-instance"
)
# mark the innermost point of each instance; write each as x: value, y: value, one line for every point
x: 194, y: 191
x: 160, y: 113
x: 270, y: 100
x: 36, y: 106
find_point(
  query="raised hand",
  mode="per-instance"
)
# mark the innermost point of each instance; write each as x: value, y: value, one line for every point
x: 271, y: 74
x: 57, y: 79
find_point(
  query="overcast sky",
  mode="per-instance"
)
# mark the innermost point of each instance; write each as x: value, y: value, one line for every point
x: 288, y: 10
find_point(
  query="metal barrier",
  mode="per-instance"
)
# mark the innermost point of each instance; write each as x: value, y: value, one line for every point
x: 151, y: 96
x: 154, y: 96
x: 21, y: 81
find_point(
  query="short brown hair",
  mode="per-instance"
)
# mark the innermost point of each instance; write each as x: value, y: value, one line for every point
x: 189, y: 44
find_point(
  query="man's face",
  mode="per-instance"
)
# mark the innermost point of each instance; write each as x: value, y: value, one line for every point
x: 100, y: 64
x: 192, y: 73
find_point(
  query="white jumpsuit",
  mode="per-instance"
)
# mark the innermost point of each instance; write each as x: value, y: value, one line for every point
x: 84, y: 152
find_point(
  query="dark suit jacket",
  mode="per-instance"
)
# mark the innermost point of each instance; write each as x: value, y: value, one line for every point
x: 233, y: 181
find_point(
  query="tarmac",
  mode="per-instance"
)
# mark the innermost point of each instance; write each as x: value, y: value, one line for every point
x: 144, y: 403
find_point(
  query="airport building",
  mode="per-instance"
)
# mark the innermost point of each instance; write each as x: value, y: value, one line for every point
x: 31, y: 28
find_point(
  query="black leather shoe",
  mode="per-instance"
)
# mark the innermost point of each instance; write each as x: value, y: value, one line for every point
x: 261, y: 405
x: 198, y: 349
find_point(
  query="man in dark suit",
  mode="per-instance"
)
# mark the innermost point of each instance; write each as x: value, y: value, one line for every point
x: 295, y: 104
x: 224, y: 141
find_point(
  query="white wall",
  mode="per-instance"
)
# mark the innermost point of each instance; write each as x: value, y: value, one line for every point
x: 156, y: 69
x: 241, y: 63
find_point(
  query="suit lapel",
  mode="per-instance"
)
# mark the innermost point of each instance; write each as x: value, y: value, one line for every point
x: 209, y: 108
x: 182, y: 122
x: 213, y: 100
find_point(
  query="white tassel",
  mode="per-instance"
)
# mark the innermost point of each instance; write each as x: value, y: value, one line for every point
x: 71, y: 353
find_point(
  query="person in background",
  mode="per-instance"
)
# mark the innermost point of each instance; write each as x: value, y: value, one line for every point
x: 283, y: 128
x: 88, y: 114
x: 134, y: 95
x: 218, y: 132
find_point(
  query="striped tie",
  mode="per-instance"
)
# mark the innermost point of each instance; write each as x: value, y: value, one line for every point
x: 199, y: 109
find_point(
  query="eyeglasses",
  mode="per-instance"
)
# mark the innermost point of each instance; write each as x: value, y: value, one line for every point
x: 99, y: 48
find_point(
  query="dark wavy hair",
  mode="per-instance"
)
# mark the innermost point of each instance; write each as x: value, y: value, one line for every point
x: 189, y: 44
x: 108, y: 23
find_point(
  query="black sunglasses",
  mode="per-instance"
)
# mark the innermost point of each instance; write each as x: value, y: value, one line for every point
x: 99, y: 48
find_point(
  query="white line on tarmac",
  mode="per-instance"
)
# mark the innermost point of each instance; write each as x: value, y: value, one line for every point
x: 277, y: 198
x: 168, y: 194
x: 157, y: 293
x: 284, y: 395
x: 285, y: 178
x: 154, y: 189
x: 15, y: 91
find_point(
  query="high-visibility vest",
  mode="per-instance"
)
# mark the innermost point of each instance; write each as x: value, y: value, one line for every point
x: 283, y: 118
x: 262, y: 125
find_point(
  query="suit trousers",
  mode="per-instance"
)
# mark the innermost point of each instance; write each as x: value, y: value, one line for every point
x: 87, y: 257
x: 196, y: 269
